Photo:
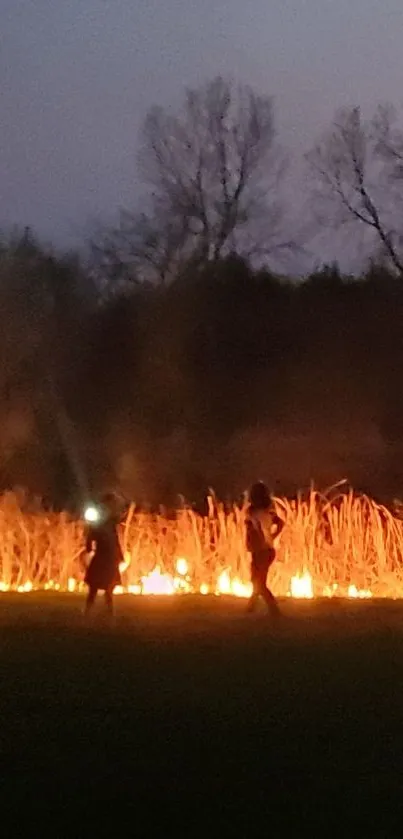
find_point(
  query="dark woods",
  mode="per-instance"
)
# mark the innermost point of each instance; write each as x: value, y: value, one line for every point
x: 222, y: 375
x: 177, y: 360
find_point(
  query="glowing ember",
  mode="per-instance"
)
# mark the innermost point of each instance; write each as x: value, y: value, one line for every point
x: 136, y: 589
x: 330, y: 591
x: 362, y: 594
x: 157, y: 583
x: 301, y: 586
x: 25, y: 588
x: 226, y: 585
x: 182, y: 566
x: 240, y: 589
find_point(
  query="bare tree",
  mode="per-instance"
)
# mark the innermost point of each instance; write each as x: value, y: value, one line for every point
x: 388, y: 138
x: 355, y: 165
x: 213, y: 175
x: 143, y: 247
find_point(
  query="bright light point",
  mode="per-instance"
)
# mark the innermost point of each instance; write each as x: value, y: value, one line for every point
x: 157, y: 583
x: 135, y: 589
x: 204, y: 589
x: 301, y: 586
x: 25, y: 588
x: 224, y: 583
x: 182, y: 566
x: 361, y: 594
x: 240, y: 589
x: 71, y: 584
x: 92, y: 514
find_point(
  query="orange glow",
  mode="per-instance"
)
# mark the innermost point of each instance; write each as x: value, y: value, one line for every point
x: 158, y: 583
x: 361, y: 594
x: 301, y: 586
x: 351, y: 549
x: 182, y: 566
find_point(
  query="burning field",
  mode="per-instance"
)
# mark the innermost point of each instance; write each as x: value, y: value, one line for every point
x: 345, y: 547
x: 185, y: 699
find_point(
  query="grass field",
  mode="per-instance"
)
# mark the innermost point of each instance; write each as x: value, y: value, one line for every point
x: 189, y: 716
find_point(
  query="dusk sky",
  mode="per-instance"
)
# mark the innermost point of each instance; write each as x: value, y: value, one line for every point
x: 77, y: 77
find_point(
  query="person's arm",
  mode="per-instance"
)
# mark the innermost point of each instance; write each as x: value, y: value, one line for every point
x: 89, y: 540
x: 278, y: 524
x: 117, y: 547
x: 253, y: 536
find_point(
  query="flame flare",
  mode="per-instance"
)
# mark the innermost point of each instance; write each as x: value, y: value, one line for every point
x: 350, y: 547
x: 301, y: 586
x: 158, y: 583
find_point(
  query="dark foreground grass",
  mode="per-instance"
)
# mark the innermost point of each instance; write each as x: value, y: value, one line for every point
x: 188, y: 716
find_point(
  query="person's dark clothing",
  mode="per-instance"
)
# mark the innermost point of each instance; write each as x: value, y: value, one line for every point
x: 262, y: 528
x: 103, y: 571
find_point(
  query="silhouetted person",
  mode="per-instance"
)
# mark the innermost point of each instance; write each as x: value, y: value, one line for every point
x: 263, y: 525
x: 103, y: 571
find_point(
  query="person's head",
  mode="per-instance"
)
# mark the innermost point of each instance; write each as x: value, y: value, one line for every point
x: 110, y: 504
x: 259, y: 495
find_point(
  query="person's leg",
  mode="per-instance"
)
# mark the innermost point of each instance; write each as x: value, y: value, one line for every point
x: 264, y: 590
x: 109, y: 599
x: 269, y: 599
x: 91, y: 597
x: 253, y: 600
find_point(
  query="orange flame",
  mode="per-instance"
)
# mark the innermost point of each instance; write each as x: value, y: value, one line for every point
x: 159, y: 583
x: 352, y: 548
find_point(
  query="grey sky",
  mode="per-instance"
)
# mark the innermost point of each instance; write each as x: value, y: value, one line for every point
x: 78, y: 75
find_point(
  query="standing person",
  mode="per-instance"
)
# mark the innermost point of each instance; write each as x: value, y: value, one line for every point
x: 263, y: 526
x: 103, y: 571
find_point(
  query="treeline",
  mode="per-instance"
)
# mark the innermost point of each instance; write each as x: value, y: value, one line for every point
x: 222, y: 375
x: 176, y: 358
